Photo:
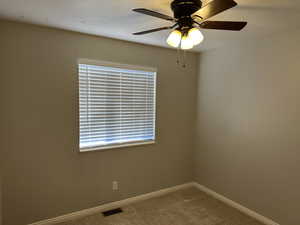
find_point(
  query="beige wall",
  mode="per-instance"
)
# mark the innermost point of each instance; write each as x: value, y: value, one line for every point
x: 44, y: 175
x: 249, y: 125
x: 1, y: 217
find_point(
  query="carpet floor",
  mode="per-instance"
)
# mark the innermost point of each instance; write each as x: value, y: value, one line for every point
x: 185, y: 207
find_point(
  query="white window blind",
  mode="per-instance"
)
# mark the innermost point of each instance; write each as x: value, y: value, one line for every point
x: 117, y: 106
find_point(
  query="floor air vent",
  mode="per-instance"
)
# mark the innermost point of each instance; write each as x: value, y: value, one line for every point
x: 112, y: 212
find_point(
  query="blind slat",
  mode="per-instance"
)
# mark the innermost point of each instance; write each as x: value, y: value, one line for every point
x: 117, y: 138
x: 131, y: 119
x: 113, y: 133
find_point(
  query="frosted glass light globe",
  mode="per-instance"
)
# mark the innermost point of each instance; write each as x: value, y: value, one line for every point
x: 174, y: 38
x: 186, y: 43
x: 196, y: 36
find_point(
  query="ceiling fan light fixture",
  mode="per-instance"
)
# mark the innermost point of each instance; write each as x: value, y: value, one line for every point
x: 187, y: 33
x: 195, y: 35
x: 186, y: 43
x: 174, y: 38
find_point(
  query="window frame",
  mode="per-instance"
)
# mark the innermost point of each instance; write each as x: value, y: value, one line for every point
x: 120, y: 66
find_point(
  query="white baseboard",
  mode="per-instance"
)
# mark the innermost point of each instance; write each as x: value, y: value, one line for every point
x: 236, y: 205
x: 101, y: 208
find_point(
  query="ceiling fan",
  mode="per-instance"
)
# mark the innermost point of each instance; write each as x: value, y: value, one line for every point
x: 189, y: 17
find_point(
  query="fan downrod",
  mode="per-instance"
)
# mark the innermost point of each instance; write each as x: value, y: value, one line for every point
x: 185, y: 8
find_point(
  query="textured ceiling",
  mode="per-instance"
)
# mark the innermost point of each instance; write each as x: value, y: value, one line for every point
x: 114, y: 18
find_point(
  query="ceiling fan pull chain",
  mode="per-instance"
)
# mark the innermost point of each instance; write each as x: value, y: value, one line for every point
x: 181, y: 57
x: 184, y: 59
x: 178, y: 55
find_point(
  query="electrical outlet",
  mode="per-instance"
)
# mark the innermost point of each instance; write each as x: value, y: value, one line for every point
x: 115, y: 185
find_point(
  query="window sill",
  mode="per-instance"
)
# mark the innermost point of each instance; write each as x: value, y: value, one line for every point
x: 100, y: 148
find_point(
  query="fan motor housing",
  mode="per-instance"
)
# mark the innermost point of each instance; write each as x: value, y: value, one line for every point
x: 185, y: 8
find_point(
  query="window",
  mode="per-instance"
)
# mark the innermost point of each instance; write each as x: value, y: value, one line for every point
x: 117, y: 105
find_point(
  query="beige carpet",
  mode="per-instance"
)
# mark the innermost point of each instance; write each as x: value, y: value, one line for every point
x: 185, y: 207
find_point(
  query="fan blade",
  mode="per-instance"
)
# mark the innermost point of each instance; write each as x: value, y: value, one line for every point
x: 155, y: 14
x: 215, y: 7
x: 223, y: 25
x: 152, y: 30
